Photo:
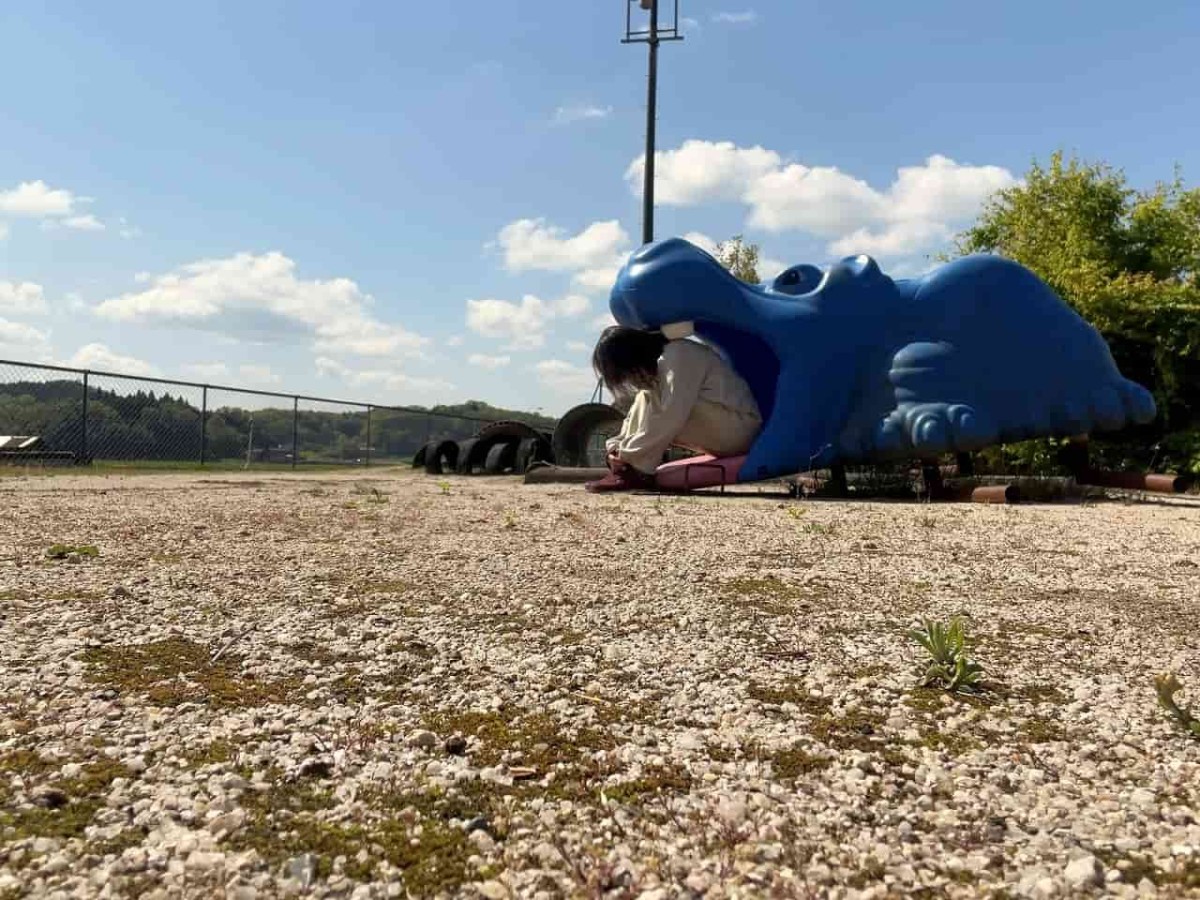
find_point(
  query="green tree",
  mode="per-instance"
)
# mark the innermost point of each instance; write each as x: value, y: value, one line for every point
x: 1127, y: 260
x: 739, y: 257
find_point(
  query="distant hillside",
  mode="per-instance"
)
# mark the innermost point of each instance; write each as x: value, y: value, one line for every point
x: 159, y: 425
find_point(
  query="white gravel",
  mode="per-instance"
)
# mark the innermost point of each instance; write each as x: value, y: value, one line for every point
x: 366, y: 684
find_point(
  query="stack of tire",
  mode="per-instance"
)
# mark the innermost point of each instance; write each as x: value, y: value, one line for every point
x: 511, y: 447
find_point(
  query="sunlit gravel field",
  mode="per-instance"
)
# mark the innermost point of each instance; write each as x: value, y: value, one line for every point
x: 383, y: 684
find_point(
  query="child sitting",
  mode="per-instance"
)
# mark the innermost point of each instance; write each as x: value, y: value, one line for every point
x: 679, y: 392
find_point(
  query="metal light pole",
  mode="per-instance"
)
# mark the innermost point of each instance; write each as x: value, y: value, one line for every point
x: 653, y: 35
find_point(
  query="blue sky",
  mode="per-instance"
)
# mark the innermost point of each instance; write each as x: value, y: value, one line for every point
x: 422, y: 203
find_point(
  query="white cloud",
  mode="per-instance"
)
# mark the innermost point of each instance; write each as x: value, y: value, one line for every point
x: 602, y: 321
x: 600, y: 278
x: 83, y: 223
x: 259, y: 297
x: 822, y: 201
x: 488, y: 362
x: 565, y: 115
x: 564, y: 378
x: 37, y: 199
x: 23, y: 340
x: 701, y: 240
x: 258, y: 375
x: 386, y: 379
x: 3, y: 231
x: 455, y: 340
x: 209, y: 373
x: 532, y: 244
x: 700, y: 171
x: 768, y: 268
x: 687, y: 23
x: 748, y: 17
x: 522, y: 325
x: 572, y: 305
x: 922, y: 207
x: 98, y: 356
x: 578, y: 346
x: 22, y: 298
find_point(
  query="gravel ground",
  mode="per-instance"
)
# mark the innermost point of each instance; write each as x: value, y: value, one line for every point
x: 361, y: 686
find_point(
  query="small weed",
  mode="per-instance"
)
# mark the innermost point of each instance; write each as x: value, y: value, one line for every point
x: 1167, y: 686
x: 71, y: 552
x: 444, y: 486
x: 796, y: 512
x: 949, y: 665
x: 510, y: 519
x: 819, y: 529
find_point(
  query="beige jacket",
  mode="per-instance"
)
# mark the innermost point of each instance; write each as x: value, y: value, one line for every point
x: 700, y: 401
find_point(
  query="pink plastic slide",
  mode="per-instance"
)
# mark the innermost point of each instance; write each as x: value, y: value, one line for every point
x: 698, y: 472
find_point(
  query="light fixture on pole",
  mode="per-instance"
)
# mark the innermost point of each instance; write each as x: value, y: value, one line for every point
x: 655, y: 32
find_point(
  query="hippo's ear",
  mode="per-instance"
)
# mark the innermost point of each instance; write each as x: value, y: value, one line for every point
x: 801, y: 279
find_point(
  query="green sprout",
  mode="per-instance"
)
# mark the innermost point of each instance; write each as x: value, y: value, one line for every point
x: 949, y: 665
x: 1167, y: 686
x: 67, y: 551
x: 445, y: 486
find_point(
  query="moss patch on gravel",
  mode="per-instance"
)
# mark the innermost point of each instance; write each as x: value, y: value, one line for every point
x: 175, y: 670
x: 81, y: 795
x: 791, y: 763
x: 769, y: 596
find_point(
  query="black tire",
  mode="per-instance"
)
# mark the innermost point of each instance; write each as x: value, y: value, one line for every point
x: 489, y: 436
x: 440, y: 456
x: 580, y: 426
x: 501, y: 458
x: 419, y: 459
x: 464, y: 462
x: 532, y: 450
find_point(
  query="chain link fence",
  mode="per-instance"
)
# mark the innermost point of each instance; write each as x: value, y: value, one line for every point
x: 57, y: 415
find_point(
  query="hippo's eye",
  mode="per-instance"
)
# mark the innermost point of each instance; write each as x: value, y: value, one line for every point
x: 790, y: 278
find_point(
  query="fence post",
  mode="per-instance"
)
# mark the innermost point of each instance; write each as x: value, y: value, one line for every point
x: 368, y: 434
x: 295, y: 430
x: 204, y: 424
x: 83, y: 450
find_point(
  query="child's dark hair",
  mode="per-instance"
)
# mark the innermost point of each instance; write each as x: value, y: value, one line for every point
x: 627, y: 358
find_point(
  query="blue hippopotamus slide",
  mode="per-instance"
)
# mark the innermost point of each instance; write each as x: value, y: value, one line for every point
x: 850, y: 365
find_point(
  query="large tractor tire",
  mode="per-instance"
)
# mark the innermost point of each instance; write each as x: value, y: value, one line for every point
x: 578, y: 440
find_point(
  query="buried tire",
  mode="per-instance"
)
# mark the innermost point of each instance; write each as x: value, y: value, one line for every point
x: 501, y: 457
x: 488, y: 437
x: 440, y: 457
x: 463, y: 463
x: 578, y: 440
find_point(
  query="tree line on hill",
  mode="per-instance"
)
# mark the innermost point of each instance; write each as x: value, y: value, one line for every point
x: 152, y: 425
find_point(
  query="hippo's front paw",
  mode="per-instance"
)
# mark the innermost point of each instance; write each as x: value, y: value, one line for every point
x: 928, y: 429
